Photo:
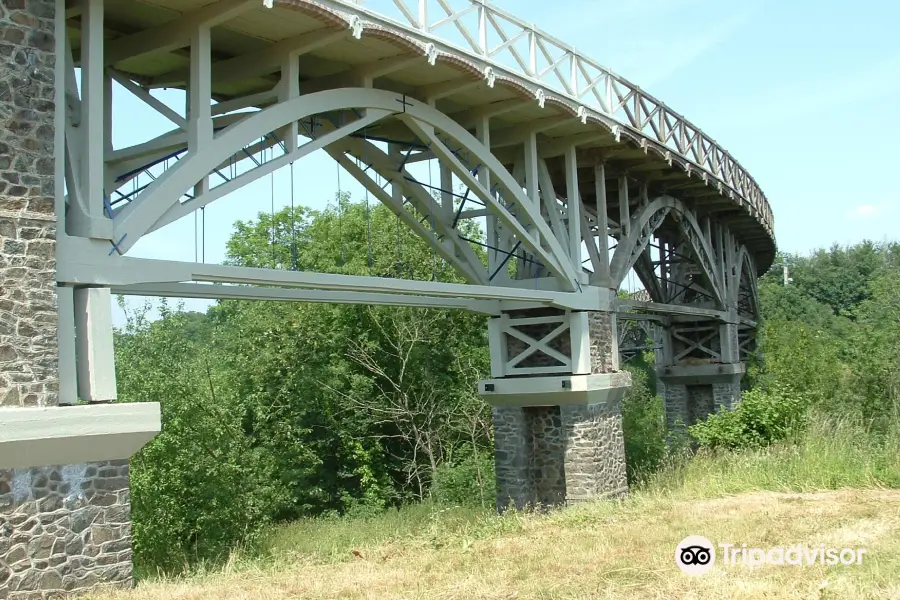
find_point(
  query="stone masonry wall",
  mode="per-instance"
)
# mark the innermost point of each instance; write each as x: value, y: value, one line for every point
x: 726, y: 395
x: 699, y: 403
x: 692, y: 403
x: 675, y: 399
x: 513, y: 457
x: 549, y: 445
x: 602, y: 332
x: 595, y: 451
x: 28, y: 347
x: 64, y: 529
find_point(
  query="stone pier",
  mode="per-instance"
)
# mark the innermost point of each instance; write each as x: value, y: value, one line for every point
x: 558, y: 438
x: 699, y: 376
x: 65, y: 523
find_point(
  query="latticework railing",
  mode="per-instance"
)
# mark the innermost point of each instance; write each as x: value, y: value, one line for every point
x: 494, y: 37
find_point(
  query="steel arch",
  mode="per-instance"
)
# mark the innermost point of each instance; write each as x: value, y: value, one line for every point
x: 642, y: 226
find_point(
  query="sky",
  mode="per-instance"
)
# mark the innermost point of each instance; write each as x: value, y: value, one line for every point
x: 803, y: 93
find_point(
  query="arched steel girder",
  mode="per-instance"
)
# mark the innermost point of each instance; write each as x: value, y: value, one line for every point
x: 444, y: 237
x: 548, y: 249
x: 162, y: 196
x: 645, y: 222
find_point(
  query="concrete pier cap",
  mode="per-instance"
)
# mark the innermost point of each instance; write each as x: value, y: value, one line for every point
x: 702, y: 374
x: 564, y: 390
x: 31, y: 437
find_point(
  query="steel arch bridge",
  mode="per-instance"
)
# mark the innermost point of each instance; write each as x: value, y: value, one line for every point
x: 581, y: 179
x: 580, y: 176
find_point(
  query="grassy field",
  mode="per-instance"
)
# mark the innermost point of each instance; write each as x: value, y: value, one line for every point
x: 832, y: 487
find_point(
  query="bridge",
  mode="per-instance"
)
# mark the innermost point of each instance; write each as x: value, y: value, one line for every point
x: 580, y: 179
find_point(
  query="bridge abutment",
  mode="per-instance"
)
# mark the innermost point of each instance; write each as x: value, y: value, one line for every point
x: 65, y: 523
x: 556, y: 397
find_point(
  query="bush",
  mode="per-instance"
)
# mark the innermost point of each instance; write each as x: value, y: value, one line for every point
x: 761, y: 417
x: 466, y: 481
x: 644, y: 427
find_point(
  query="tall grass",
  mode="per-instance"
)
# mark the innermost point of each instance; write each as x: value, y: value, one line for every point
x: 329, y: 539
x: 829, y: 453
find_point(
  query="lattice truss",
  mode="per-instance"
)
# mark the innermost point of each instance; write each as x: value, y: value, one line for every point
x: 637, y: 337
x: 539, y: 342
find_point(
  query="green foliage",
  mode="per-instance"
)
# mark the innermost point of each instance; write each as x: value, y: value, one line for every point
x: 839, y: 277
x: 468, y: 480
x: 644, y: 427
x: 875, y: 352
x: 830, y: 338
x: 763, y: 416
x: 829, y: 453
x: 801, y: 357
x: 276, y: 411
x: 200, y: 486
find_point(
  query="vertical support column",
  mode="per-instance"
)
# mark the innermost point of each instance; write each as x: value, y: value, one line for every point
x: 624, y: 208
x: 531, y: 177
x: 595, y: 442
x: 558, y: 439
x: 495, y: 258
x: 396, y: 156
x: 513, y: 457
x: 290, y: 88
x: 446, y: 193
x: 199, y: 99
x: 573, y: 207
x: 93, y: 93
x: 423, y: 15
x: 603, y: 277
x: 200, y: 130
x: 68, y: 373
x: 94, y: 335
x: 694, y: 387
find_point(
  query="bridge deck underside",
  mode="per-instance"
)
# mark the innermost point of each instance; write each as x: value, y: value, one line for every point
x: 458, y: 87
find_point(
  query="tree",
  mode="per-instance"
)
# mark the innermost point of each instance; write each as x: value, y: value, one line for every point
x: 384, y: 377
x: 200, y: 486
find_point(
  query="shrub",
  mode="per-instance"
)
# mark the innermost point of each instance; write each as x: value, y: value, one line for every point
x: 763, y: 416
x: 644, y: 427
x: 466, y: 481
x: 200, y: 487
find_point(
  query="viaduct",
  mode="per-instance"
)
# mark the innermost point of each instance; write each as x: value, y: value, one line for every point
x: 578, y: 175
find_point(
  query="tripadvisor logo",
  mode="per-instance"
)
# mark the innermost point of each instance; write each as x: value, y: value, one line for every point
x: 696, y: 555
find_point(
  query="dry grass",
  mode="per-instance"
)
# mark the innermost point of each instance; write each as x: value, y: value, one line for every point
x: 607, y: 550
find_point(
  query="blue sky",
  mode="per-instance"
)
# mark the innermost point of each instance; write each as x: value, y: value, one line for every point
x: 803, y: 93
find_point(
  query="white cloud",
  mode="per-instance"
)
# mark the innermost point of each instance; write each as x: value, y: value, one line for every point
x: 864, y: 210
x: 868, y: 211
